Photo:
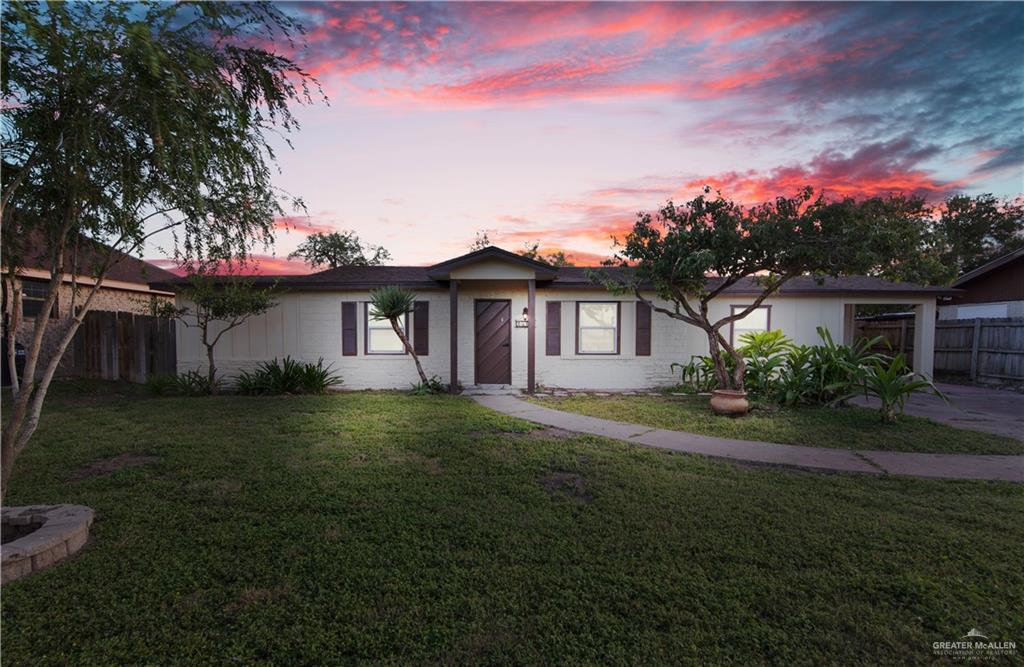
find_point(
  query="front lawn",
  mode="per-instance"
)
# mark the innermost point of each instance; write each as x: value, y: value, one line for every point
x: 838, y: 428
x: 386, y: 528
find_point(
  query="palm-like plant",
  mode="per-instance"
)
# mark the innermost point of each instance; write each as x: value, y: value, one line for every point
x: 892, y: 383
x: 765, y: 353
x: 839, y: 369
x: 393, y: 304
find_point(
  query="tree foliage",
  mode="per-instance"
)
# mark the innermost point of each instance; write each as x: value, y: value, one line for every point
x: 953, y: 238
x: 691, y: 253
x: 480, y: 241
x: 533, y: 251
x: 215, y: 305
x: 121, y: 120
x: 339, y: 249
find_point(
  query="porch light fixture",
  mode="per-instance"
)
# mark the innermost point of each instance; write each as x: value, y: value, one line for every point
x: 524, y: 321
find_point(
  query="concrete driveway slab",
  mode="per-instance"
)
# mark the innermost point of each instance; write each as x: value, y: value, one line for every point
x: 972, y: 408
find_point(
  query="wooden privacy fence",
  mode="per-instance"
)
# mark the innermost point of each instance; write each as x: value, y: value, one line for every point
x: 981, y: 349
x: 121, y: 346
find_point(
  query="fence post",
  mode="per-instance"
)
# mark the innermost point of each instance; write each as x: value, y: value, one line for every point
x: 975, y: 342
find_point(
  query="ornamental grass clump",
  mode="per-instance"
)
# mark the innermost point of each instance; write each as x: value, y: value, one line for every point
x: 287, y: 377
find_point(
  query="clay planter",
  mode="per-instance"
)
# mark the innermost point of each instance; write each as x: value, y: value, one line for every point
x: 729, y: 402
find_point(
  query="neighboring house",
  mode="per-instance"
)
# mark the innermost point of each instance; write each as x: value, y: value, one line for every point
x: 126, y: 289
x: 995, y: 289
x: 494, y: 318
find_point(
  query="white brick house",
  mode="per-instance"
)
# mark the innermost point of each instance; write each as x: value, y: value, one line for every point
x: 524, y: 323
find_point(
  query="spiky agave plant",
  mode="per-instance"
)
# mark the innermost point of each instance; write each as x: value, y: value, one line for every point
x: 393, y: 304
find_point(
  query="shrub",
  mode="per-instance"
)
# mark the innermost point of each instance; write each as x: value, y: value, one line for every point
x: 891, y: 383
x: 163, y: 384
x: 287, y: 377
x: 189, y: 383
x: 796, y: 382
x: 765, y: 354
x: 840, y: 368
x: 825, y: 374
x: 697, y: 375
x: 434, y: 385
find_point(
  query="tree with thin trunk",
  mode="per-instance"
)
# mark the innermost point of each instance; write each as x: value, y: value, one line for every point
x: 693, y: 253
x: 126, y: 120
x: 393, y: 304
x: 215, y: 305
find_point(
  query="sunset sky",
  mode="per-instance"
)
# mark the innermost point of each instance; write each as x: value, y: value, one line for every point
x: 558, y: 122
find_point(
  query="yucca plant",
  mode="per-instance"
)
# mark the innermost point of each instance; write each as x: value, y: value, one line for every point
x: 393, y: 304
x: 892, y: 383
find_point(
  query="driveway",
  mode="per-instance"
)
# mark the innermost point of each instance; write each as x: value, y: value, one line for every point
x: 973, y: 408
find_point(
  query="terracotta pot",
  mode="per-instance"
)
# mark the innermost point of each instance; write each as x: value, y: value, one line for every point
x: 729, y: 402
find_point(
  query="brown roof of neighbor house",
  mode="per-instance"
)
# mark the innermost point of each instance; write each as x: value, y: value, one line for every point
x: 996, y: 263
x: 90, y: 254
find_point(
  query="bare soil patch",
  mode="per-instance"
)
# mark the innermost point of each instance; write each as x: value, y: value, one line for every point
x: 551, y: 433
x: 112, y: 465
x: 567, y: 485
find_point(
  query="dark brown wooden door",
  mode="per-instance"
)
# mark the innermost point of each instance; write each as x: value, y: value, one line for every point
x: 493, y: 331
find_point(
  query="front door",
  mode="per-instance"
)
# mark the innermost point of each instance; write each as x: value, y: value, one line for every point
x: 493, y: 331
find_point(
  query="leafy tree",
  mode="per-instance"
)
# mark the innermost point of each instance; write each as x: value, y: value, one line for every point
x: 339, y: 249
x: 532, y: 251
x: 971, y: 231
x: 481, y: 241
x: 123, y: 120
x: 691, y: 253
x: 215, y: 305
x: 393, y: 304
x: 940, y: 243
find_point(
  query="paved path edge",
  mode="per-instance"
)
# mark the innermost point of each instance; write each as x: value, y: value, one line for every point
x: 995, y: 467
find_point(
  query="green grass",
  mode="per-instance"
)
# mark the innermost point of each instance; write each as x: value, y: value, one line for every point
x: 837, y: 428
x: 388, y: 528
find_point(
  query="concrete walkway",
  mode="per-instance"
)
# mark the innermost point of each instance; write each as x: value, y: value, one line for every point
x: 950, y: 466
x: 973, y: 408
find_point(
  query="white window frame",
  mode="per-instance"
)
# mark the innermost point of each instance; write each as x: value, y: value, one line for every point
x: 617, y: 329
x: 733, y: 335
x: 380, y: 325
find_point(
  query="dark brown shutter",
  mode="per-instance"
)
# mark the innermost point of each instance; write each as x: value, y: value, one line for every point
x: 643, y: 329
x: 421, y: 327
x: 553, y: 329
x: 348, y: 329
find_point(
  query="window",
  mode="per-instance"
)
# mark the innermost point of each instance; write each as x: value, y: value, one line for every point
x: 597, y: 327
x: 33, y: 296
x: 380, y: 336
x: 759, y: 319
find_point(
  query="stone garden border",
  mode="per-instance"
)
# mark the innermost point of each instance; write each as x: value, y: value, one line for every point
x: 64, y: 530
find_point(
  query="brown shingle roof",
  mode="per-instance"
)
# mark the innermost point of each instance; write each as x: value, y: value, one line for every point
x: 90, y: 254
x: 575, y: 277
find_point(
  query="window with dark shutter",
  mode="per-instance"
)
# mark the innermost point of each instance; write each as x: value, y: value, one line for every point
x: 643, y: 329
x: 349, y: 344
x: 553, y: 329
x: 421, y: 328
